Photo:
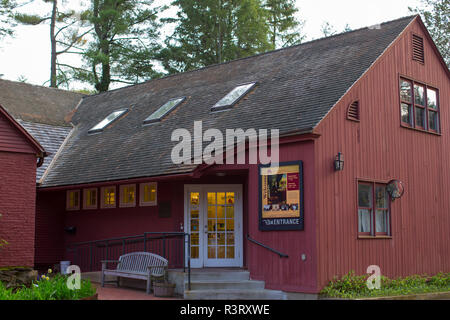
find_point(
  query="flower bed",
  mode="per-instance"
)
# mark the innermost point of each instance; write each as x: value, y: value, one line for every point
x: 48, y: 288
x: 351, y: 286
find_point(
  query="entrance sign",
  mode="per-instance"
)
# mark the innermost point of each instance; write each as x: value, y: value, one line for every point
x: 281, y: 197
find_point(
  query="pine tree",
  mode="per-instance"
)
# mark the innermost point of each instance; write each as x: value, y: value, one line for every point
x: 122, y: 43
x: 6, y: 7
x: 64, y: 35
x: 436, y: 16
x: 284, y: 27
x: 214, y: 31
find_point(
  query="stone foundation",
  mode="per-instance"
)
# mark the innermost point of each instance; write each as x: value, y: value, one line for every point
x: 16, y: 277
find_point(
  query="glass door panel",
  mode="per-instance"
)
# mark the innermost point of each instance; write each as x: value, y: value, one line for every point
x: 213, y: 217
x: 194, y: 216
x: 220, y: 225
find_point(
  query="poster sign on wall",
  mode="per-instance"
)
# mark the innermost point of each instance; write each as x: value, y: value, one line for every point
x: 281, y: 197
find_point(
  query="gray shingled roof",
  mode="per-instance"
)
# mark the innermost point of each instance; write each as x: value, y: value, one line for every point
x: 50, y: 137
x: 297, y: 87
x: 38, y: 104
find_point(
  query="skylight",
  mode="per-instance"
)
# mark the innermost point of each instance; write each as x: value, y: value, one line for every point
x: 108, y: 120
x: 234, y: 96
x: 164, y: 110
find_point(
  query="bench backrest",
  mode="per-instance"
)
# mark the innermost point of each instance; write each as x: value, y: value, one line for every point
x: 140, y: 261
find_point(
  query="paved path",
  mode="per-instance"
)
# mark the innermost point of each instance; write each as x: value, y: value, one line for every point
x: 113, y: 293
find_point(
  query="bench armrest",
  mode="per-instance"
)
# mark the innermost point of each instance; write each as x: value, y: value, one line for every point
x: 166, y: 269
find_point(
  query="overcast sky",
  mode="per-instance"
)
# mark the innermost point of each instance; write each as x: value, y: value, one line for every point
x: 28, y: 53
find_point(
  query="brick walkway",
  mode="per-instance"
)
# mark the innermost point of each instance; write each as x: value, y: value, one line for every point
x: 113, y: 293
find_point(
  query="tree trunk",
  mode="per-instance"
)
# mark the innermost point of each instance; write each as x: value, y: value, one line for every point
x: 53, y: 82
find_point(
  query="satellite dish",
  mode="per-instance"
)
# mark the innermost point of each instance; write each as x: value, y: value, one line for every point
x: 395, y: 189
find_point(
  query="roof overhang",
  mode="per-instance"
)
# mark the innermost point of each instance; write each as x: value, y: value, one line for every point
x: 40, y: 151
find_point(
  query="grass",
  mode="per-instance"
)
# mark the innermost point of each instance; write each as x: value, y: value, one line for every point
x: 352, y: 286
x: 54, y: 288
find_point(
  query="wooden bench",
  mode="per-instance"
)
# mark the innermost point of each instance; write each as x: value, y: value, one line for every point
x: 137, y: 265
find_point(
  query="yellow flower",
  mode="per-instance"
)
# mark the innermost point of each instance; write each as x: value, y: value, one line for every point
x: 49, y: 271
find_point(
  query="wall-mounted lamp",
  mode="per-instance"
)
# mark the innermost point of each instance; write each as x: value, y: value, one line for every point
x: 339, y: 162
x: 70, y: 230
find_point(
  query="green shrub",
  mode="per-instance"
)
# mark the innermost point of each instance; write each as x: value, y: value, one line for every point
x: 351, y: 286
x: 47, y: 288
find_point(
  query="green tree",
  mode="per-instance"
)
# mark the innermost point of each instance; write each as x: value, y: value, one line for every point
x: 214, y: 31
x: 6, y: 7
x: 284, y: 27
x: 122, y: 44
x: 64, y: 33
x: 436, y: 16
x: 329, y: 30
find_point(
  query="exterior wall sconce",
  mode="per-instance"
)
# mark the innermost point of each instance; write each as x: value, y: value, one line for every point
x: 70, y: 230
x: 339, y: 162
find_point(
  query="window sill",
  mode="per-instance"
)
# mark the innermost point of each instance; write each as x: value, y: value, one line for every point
x: 421, y: 130
x: 374, y: 237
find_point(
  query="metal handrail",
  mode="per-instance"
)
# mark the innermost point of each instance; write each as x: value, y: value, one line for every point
x: 282, y: 255
x: 140, y: 238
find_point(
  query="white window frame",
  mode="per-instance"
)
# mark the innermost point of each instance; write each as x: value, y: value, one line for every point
x: 85, y: 205
x: 143, y: 203
x: 103, y: 205
x: 127, y: 205
x: 68, y: 200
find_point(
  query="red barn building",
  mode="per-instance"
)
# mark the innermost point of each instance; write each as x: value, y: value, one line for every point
x: 20, y: 155
x: 354, y: 112
x: 32, y: 117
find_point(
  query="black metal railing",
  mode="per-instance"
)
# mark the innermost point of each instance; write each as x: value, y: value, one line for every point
x: 282, y: 255
x: 174, y: 246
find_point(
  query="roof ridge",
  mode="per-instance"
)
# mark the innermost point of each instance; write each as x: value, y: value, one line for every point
x: 44, y: 87
x: 68, y: 126
x: 249, y: 57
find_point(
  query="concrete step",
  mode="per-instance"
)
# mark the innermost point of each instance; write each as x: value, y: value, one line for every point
x: 219, y: 275
x: 225, y: 284
x: 233, y: 294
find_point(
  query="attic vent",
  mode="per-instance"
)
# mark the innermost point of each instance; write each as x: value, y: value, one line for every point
x: 418, y: 51
x: 353, y: 111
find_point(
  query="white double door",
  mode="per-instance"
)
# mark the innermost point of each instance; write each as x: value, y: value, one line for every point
x: 213, y: 217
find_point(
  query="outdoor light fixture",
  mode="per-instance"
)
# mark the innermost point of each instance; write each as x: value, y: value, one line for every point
x: 71, y: 230
x: 339, y: 162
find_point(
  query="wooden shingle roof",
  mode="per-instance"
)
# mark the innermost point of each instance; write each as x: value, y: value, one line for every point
x: 38, y: 104
x: 296, y: 88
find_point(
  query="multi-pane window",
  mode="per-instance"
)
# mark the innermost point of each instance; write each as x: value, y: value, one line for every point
x: 419, y: 105
x: 128, y: 195
x: 373, y: 209
x: 73, y: 200
x: 90, y: 198
x: 108, y: 197
x: 147, y: 194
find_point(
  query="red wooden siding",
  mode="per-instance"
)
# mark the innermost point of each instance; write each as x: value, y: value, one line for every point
x: 378, y: 148
x: 17, y: 204
x: 11, y: 139
x: 291, y: 274
x: 52, y: 218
